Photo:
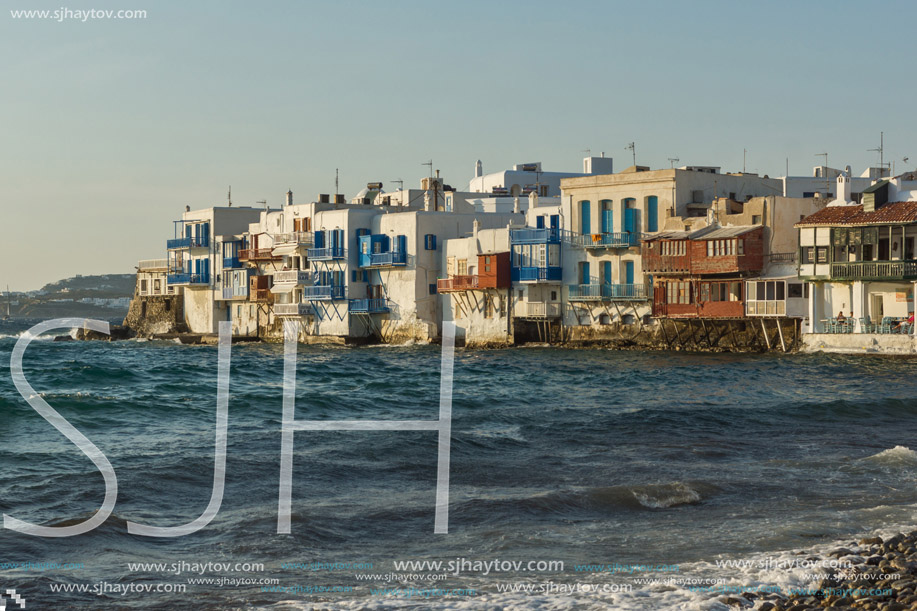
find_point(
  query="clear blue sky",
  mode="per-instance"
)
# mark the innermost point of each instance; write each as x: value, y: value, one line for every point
x: 111, y: 127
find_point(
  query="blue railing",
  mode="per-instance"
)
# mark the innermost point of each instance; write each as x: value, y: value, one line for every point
x: 537, y: 274
x: 369, y: 306
x: 606, y: 292
x: 314, y: 293
x: 534, y: 236
x: 381, y: 259
x: 326, y: 254
x: 231, y: 263
x: 624, y: 239
x: 188, y: 279
x: 192, y: 242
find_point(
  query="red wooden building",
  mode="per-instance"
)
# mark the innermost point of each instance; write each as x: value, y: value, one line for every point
x: 700, y: 274
x: 493, y: 272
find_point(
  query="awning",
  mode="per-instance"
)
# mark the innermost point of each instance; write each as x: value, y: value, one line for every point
x: 285, y: 287
x: 287, y: 249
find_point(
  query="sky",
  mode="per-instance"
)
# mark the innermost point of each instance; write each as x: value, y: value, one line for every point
x: 111, y: 127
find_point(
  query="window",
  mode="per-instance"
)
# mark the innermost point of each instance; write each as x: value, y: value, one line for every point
x: 488, y: 308
x: 487, y: 264
x: 502, y: 307
x: 353, y: 275
x: 429, y: 242
x: 821, y: 254
x: 794, y: 290
x: 553, y: 295
x: 755, y: 219
x: 143, y: 286
x: 520, y: 294
x: 463, y: 267
x: 808, y: 254
x: 238, y: 311
x: 433, y: 289
x: 740, y: 246
x: 168, y: 306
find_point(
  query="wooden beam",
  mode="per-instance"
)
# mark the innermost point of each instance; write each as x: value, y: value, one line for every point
x: 766, y: 338
x: 780, y: 329
x: 706, y: 333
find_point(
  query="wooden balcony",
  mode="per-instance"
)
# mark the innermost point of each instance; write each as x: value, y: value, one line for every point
x: 258, y: 254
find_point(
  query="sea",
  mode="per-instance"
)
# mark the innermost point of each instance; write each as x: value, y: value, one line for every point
x: 579, y: 479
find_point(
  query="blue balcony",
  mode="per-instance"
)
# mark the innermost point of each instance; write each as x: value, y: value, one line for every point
x: 326, y: 254
x: 202, y: 241
x: 383, y: 259
x: 537, y: 274
x: 231, y: 263
x: 624, y: 239
x: 369, y: 306
x: 535, y: 236
x: 606, y: 292
x: 188, y: 279
x: 324, y: 293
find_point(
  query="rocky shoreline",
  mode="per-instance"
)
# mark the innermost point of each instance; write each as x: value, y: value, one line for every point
x: 872, y: 574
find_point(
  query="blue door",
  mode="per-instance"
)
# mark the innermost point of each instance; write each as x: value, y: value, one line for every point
x: 555, y: 221
x: 606, y: 272
x: 652, y: 213
x: 607, y: 217
x: 585, y: 210
x: 629, y: 272
x: 584, y: 272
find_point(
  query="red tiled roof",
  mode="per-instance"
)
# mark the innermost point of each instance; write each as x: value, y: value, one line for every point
x: 893, y: 213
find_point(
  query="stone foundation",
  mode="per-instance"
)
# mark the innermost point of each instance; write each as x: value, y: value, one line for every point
x: 156, y: 315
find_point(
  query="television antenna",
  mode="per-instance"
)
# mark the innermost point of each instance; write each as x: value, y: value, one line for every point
x: 673, y: 161
x: 632, y: 147
x: 400, y: 184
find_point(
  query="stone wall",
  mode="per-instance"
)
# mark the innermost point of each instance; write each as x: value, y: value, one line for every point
x: 153, y: 315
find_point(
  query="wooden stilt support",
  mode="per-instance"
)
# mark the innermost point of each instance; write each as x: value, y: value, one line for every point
x: 706, y: 333
x: 780, y: 330
x: 664, y: 333
x: 766, y: 338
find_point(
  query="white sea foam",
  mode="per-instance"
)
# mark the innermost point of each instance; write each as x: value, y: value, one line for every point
x: 899, y: 455
x: 668, y: 495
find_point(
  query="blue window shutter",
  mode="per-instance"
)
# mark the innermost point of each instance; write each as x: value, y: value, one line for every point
x: 585, y: 217
x: 402, y: 242
x: 629, y: 272
x: 539, y: 222
x: 433, y: 289
x: 607, y: 216
x: 365, y: 275
x: 555, y: 221
x: 585, y: 272
x: 353, y: 275
x: 652, y: 213
x: 630, y: 220
x: 606, y: 272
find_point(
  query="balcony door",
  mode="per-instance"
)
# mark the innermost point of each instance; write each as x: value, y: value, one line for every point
x: 606, y: 272
x: 607, y: 216
x: 628, y: 272
x: 584, y: 272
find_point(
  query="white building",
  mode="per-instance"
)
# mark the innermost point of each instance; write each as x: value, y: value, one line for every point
x: 860, y: 260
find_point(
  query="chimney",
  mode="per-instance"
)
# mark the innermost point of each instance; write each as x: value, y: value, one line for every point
x: 478, y: 169
x: 427, y: 201
x: 843, y: 189
x: 533, y: 200
x: 516, y: 204
x: 290, y: 197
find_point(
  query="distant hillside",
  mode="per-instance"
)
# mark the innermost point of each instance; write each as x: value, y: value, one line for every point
x: 104, y: 286
x: 106, y: 296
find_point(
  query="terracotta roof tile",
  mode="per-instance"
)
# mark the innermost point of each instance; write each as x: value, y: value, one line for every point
x: 893, y: 213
